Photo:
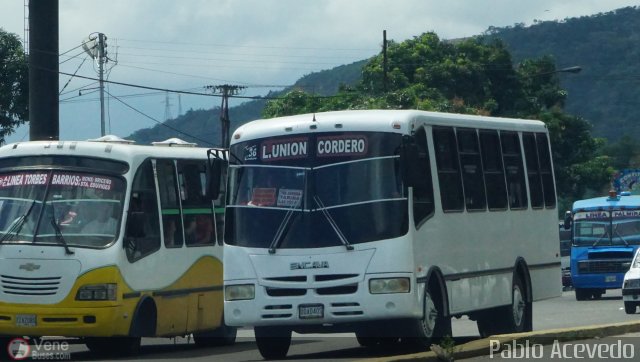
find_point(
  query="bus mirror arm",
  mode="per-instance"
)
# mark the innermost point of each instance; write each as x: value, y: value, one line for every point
x: 409, y: 161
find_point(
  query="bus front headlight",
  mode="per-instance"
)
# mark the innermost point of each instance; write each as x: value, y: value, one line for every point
x: 389, y: 285
x: 97, y: 292
x: 632, y: 283
x: 239, y: 292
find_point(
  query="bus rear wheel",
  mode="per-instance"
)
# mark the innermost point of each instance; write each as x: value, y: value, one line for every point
x: 273, y: 342
x: 514, y: 318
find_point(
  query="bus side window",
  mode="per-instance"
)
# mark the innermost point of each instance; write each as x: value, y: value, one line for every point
x: 451, y: 193
x: 512, y: 157
x: 544, y: 156
x: 143, y: 226
x: 169, y: 204
x: 533, y: 170
x: 472, y: 176
x: 493, y: 170
x: 423, y: 205
x: 198, y: 212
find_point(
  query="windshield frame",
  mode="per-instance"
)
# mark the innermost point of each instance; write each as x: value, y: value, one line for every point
x: 372, y: 161
x: 48, y: 203
x: 610, y: 219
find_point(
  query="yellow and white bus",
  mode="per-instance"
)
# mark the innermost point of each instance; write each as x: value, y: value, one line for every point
x: 388, y: 224
x: 111, y: 241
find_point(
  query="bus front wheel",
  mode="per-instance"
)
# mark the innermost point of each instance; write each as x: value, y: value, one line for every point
x: 273, y: 342
x: 630, y: 307
x: 582, y: 293
x: 434, y: 325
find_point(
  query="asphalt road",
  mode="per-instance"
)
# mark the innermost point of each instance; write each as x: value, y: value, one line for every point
x: 554, y: 313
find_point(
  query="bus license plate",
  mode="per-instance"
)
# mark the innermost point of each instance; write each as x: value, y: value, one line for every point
x: 26, y: 320
x: 610, y: 278
x: 311, y: 311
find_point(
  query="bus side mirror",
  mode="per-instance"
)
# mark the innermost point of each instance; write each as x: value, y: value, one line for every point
x: 409, y: 161
x: 214, y: 172
x: 567, y: 220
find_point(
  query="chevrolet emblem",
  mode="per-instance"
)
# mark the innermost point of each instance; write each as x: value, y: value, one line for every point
x: 29, y: 267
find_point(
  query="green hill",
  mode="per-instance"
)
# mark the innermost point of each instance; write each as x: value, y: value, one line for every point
x: 605, y: 93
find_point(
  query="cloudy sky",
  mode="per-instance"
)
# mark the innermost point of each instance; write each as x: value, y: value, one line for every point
x: 262, y: 44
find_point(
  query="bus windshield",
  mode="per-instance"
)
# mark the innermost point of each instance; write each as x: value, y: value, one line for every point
x: 60, y: 208
x: 318, y: 200
x: 604, y: 228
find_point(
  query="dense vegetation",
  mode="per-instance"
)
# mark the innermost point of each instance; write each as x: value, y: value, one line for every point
x: 14, y: 84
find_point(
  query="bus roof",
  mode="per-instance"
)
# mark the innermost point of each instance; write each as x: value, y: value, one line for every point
x: 396, y: 121
x: 619, y: 202
x: 124, y: 151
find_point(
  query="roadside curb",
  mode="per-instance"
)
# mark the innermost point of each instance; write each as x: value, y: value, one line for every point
x: 481, y: 347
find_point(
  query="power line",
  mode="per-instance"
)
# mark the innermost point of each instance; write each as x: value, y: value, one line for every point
x: 157, y: 121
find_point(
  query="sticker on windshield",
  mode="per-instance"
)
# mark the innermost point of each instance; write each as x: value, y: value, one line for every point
x: 92, y: 182
x: 346, y: 145
x: 23, y: 179
x: 262, y: 196
x: 289, y: 197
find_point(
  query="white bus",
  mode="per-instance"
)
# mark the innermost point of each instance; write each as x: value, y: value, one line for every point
x: 387, y: 224
x: 111, y: 242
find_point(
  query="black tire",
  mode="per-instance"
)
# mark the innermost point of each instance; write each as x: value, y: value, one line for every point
x: 630, y: 307
x: 222, y: 336
x: 434, y: 325
x: 513, y: 318
x: 582, y: 294
x: 273, y: 342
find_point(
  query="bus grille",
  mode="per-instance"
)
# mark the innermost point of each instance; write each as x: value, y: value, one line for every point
x: 604, y: 266
x: 29, y: 286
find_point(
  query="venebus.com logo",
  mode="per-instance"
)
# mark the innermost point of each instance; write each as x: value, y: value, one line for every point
x: 20, y: 349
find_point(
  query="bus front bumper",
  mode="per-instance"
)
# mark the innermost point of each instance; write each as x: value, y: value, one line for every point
x: 56, y: 321
x: 322, y: 310
x: 598, y: 281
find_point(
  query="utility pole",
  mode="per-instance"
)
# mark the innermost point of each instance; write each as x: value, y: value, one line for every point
x: 225, y: 90
x: 385, y: 69
x: 101, y: 60
x: 44, y: 119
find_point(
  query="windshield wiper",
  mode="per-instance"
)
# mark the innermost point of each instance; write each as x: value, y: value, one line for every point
x: 333, y: 224
x: 621, y: 238
x: 17, y: 224
x: 280, y: 233
x: 59, y: 236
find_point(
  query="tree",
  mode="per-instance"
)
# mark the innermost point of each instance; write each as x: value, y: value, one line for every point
x: 14, y: 84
